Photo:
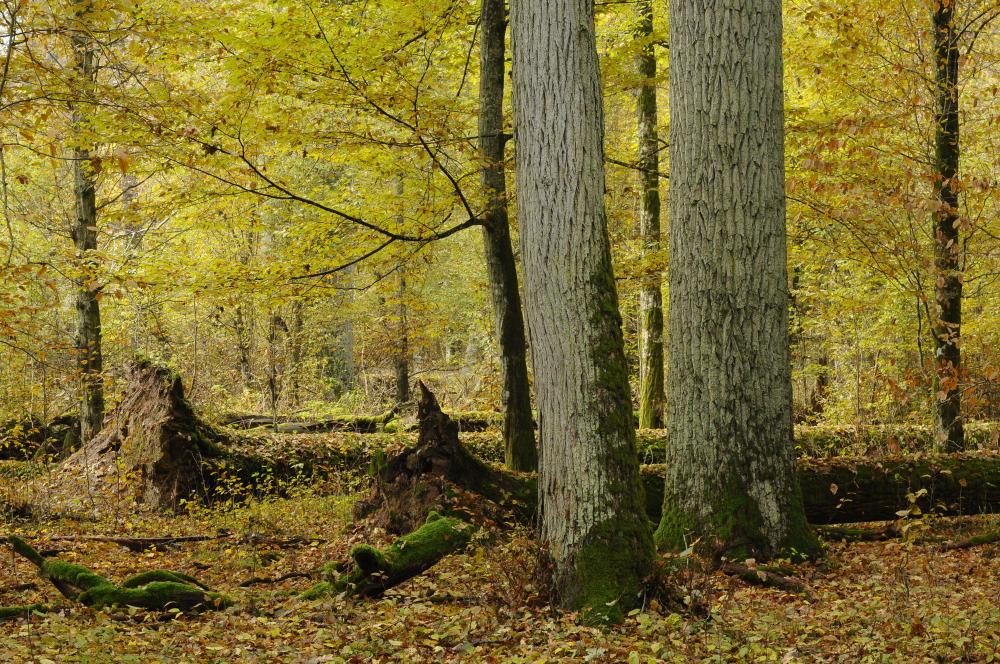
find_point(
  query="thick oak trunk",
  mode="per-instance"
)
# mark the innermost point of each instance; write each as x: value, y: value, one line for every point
x: 730, y: 461
x: 520, y: 452
x: 590, y: 499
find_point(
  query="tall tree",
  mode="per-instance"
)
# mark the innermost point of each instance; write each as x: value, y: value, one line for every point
x: 590, y: 499
x: 730, y: 463
x: 520, y: 452
x: 948, y: 247
x: 401, y: 361
x: 84, y: 233
x: 651, y: 395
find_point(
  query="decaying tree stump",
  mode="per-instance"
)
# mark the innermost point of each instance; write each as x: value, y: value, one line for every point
x: 431, y: 476
x: 151, y: 450
x: 374, y: 571
x: 156, y: 590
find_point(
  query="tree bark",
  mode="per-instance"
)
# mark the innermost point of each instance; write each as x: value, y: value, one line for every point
x: 590, y: 498
x: 948, y: 252
x: 90, y: 360
x: 730, y: 461
x: 401, y: 363
x: 651, y: 394
x: 520, y: 452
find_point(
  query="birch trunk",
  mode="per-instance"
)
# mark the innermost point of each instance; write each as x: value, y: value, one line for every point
x: 651, y: 394
x: 730, y: 465
x: 520, y: 452
x: 590, y: 497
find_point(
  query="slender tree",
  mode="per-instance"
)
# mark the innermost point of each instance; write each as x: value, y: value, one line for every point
x: 520, y: 452
x: 90, y: 361
x: 730, y: 478
x: 948, y: 247
x: 651, y: 395
x: 590, y: 499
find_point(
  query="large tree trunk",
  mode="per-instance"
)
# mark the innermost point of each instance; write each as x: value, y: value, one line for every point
x: 520, y: 452
x: 651, y: 395
x: 590, y: 498
x: 90, y: 360
x: 730, y: 461
x: 947, y: 243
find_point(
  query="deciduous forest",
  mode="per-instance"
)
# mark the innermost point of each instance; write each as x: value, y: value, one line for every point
x: 499, y: 331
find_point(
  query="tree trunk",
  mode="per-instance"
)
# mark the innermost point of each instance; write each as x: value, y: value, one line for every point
x: 243, y: 328
x: 402, y: 360
x: 730, y: 461
x: 947, y: 243
x: 590, y: 498
x: 520, y: 452
x: 295, y: 343
x: 90, y: 361
x: 651, y: 394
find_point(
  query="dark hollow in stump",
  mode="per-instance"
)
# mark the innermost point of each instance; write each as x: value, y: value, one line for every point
x: 156, y: 590
x: 430, y: 476
x: 374, y: 571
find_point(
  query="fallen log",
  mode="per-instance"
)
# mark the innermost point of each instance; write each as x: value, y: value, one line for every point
x: 974, y: 541
x: 348, y: 423
x: 373, y: 571
x: 156, y: 590
x: 137, y: 544
x: 854, y: 490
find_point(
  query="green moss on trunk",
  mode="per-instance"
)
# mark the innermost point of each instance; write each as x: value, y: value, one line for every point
x: 609, y: 571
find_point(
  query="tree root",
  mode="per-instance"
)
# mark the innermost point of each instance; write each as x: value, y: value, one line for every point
x: 764, y: 576
x: 156, y: 590
x: 376, y: 570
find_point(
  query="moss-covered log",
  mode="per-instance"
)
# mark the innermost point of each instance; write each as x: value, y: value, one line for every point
x: 348, y: 423
x: 21, y: 611
x: 851, y: 490
x: 157, y: 590
x: 373, y: 570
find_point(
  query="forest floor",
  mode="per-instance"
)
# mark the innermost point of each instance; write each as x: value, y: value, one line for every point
x: 894, y: 601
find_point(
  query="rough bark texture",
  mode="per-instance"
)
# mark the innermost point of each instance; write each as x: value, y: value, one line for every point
x: 90, y: 361
x: 651, y: 394
x: 401, y: 362
x: 590, y: 499
x: 948, y: 259
x: 151, y: 451
x: 376, y: 570
x: 730, y: 464
x: 425, y: 478
x: 520, y: 451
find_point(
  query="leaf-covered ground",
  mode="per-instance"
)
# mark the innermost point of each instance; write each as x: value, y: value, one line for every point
x: 894, y: 601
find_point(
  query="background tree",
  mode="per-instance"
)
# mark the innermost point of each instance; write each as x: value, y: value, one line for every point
x: 590, y: 500
x: 730, y: 479
x: 520, y: 452
x: 651, y: 394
